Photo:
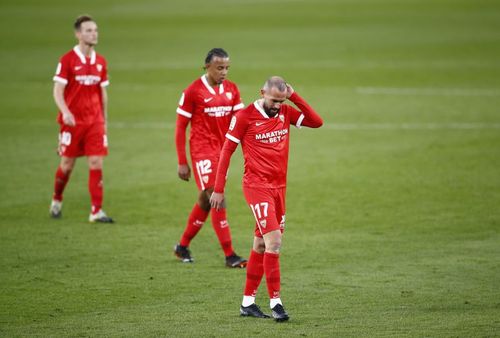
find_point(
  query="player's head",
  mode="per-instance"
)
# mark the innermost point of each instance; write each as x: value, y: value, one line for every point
x: 86, y: 30
x: 217, y: 65
x: 274, y: 93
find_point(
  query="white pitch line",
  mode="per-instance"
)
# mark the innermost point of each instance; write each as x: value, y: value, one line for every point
x: 428, y: 91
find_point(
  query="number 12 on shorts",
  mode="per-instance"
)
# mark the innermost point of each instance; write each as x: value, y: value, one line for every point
x: 259, y: 210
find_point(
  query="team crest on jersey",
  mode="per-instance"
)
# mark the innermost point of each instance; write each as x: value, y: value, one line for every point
x: 263, y: 223
x: 233, y: 123
x: 282, y: 118
x: 229, y: 95
x: 205, y: 179
x: 99, y: 67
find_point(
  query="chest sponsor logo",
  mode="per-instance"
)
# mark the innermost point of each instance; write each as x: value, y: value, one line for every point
x: 88, y: 80
x: 272, y: 136
x: 218, y: 111
x: 208, y: 100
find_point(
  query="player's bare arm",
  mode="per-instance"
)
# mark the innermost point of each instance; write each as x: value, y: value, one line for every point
x: 217, y: 200
x: 68, y: 118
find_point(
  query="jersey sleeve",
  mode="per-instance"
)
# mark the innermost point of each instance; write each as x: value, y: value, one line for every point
x: 62, y: 71
x: 306, y: 116
x: 186, y: 104
x: 296, y: 116
x: 237, y: 103
x: 104, y: 75
x: 237, y: 128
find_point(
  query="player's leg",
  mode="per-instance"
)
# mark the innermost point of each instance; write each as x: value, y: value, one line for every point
x: 195, y: 221
x: 198, y: 214
x: 255, y: 271
x: 96, y: 148
x: 63, y: 173
x: 69, y: 148
x: 222, y: 230
x: 272, y: 240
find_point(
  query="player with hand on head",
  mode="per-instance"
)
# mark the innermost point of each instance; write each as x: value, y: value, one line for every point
x: 80, y: 94
x: 208, y: 104
x: 263, y: 131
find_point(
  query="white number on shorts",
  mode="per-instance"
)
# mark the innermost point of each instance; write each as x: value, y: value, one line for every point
x: 256, y: 209
x: 204, y: 167
x: 65, y: 138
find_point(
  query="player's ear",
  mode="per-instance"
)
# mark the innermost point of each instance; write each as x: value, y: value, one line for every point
x: 262, y: 92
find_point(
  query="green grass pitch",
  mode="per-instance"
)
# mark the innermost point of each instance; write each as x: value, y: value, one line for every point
x: 393, y: 206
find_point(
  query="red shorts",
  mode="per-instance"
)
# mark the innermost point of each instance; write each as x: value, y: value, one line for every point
x: 204, y: 171
x: 268, y: 208
x: 83, y: 140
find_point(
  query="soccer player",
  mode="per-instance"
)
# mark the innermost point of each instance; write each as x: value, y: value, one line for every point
x: 80, y: 94
x: 208, y: 104
x: 263, y: 129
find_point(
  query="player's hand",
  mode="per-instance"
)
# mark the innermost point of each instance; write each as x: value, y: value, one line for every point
x: 217, y: 200
x: 289, y: 90
x: 184, y: 172
x: 69, y: 119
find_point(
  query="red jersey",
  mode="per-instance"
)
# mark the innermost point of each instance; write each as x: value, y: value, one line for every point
x: 264, y: 141
x: 210, y: 110
x: 83, y: 77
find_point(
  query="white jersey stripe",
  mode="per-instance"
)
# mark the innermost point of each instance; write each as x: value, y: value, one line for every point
x: 209, y: 87
x: 184, y: 113
x: 239, y: 106
x: 299, y: 121
x: 60, y: 80
x: 232, y: 138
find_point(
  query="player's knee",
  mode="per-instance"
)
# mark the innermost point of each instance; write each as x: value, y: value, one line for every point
x: 274, y: 247
x: 204, y: 200
x: 67, y: 165
x: 259, y: 247
x: 95, y: 162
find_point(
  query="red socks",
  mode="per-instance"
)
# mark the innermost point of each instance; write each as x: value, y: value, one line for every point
x: 255, y: 271
x: 195, y: 221
x: 221, y: 227
x: 272, y: 271
x: 95, y: 189
x: 60, y: 183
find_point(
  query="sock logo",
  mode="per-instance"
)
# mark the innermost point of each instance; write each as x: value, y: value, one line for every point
x: 224, y: 224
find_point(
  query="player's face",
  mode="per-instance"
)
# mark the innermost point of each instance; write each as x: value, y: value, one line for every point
x: 88, y: 33
x: 273, y: 99
x: 217, y: 70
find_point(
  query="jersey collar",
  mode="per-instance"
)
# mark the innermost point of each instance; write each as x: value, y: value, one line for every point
x: 82, y: 57
x: 209, y: 87
x: 261, y: 110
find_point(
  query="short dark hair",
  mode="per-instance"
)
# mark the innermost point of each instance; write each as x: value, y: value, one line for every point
x: 275, y: 82
x: 215, y: 52
x: 81, y: 19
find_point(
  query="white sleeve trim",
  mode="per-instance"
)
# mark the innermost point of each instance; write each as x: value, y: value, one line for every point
x: 105, y: 83
x: 239, y: 106
x: 299, y: 121
x: 60, y: 79
x: 184, y: 113
x: 232, y: 138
